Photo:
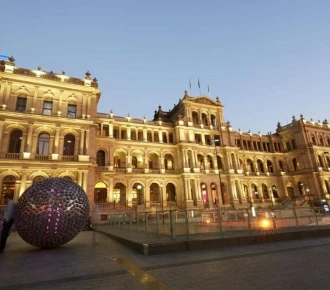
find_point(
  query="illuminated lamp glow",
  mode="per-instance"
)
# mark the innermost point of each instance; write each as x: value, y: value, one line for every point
x: 265, y: 223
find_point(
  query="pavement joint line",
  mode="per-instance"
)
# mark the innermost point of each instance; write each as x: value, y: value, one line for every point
x: 219, y: 259
x: 54, y: 282
x: 143, y: 277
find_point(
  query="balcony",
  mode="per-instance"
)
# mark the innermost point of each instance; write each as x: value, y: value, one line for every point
x: 12, y: 155
x: 42, y: 157
x: 67, y: 158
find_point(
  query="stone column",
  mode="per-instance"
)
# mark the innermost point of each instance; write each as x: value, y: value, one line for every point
x: 23, y: 182
x: 87, y: 142
x: 85, y: 180
x: 28, y: 144
x: 80, y: 178
x: 82, y: 141
x: 7, y: 92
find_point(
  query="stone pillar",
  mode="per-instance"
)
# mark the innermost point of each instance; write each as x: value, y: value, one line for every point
x: 82, y: 141
x: 110, y: 130
x: 110, y: 190
x: 87, y: 142
x: 57, y: 140
x: 85, y: 180
x: 2, y: 91
x: 128, y: 137
x: 28, y: 145
x: 23, y: 182
x: 7, y: 92
x: 80, y: 178
x: 35, y: 97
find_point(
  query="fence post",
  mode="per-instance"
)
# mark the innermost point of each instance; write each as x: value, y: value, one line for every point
x: 248, y: 220
x: 187, y: 223
x: 172, y: 225
x: 157, y: 223
x: 145, y: 225
x: 315, y: 216
x: 295, y: 216
x: 130, y: 221
x: 219, y: 219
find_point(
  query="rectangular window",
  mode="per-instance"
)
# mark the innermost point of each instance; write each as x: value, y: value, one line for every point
x: 48, y: 107
x: 21, y: 104
x: 217, y: 141
x: 72, y: 110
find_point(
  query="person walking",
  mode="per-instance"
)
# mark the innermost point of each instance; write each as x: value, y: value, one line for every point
x: 8, y: 221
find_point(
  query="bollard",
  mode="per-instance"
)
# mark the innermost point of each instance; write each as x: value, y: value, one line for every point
x: 187, y: 223
x: 295, y: 216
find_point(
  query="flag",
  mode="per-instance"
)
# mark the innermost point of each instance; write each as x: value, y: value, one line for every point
x: 189, y: 84
x: 208, y: 89
x: 199, y: 85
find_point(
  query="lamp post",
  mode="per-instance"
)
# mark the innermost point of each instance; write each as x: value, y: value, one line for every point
x: 216, y: 155
x: 139, y: 186
x: 162, y: 201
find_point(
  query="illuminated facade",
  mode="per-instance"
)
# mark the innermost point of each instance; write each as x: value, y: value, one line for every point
x: 50, y: 127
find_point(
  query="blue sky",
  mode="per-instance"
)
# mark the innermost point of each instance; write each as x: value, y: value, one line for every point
x: 266, y: 60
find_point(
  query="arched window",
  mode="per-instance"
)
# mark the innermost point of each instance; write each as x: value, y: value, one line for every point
x: 260, y: 166
x: 100, y: 158
x: 321, y: 141
x: 274, y: 191
x: 134, y: 162
x: 265, y: 191
x: 204, y: 120
x: 313, y: 140
x: 280, y: 165
x: 69, y: 144
x: 195, y: 118
x: 220, y: 163
x: 8, y: 186
x: 320, y: 161
x: 295, y: 164
x: 37, y: 179
x: 270, y: 166
x: 210, y: 162
x: 327, y: 158
x: 116, y: 162
x: 43, y: 144
x: 213, y: 121
x: 15, y: 141
x: 255, y: 191
x: 250, y: 167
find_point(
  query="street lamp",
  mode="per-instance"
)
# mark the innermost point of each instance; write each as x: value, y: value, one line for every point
x: 139, y: 186
x: 216, y: 154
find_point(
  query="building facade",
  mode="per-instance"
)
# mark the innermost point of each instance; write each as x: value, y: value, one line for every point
x: 186, y: 157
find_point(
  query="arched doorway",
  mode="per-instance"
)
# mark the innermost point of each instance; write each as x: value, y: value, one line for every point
x: 169, y: 162
x: 138, y: 193
x: 301, y: 188
x: 100, y: 192
x: 290, y: 190
x: 170, y: 192
x: 8, y: 186
x: 155, y: 192
x: 204, y: 195
x: 274, y: 191
x: 119, y: 193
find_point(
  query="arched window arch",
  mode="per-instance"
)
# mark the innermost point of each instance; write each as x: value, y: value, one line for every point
x: 100, y: 158
x: 69, y: 145
x: 15, y: 141
x: 213, y: 121
x: 43, y: 144
x: 38, y: 178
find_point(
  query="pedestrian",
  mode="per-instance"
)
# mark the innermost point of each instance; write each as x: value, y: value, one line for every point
x: 8, y: 221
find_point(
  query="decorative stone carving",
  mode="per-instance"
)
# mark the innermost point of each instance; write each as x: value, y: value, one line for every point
x: 51, y: 212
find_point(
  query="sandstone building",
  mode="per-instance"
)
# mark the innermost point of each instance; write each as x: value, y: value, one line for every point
x: 186, y: 157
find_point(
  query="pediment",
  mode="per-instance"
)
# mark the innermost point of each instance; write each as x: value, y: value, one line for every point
x: 205, y: 101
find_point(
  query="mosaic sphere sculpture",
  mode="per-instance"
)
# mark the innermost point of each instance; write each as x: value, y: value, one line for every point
x: 51, y: 212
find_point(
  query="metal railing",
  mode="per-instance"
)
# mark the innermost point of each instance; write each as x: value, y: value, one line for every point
x: 195, y: 222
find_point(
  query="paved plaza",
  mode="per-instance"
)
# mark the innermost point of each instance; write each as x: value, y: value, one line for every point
x: 93, y: 261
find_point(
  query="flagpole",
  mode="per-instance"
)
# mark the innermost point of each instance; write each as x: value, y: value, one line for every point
x: 199, y: 86
x: 190, y: 86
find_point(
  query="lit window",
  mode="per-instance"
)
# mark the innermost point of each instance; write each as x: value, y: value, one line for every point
x: 21, y: 104
x: 48, y: 106
x: 72, y: 109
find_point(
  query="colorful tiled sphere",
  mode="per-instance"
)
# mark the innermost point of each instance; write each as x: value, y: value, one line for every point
x: 51, y: 212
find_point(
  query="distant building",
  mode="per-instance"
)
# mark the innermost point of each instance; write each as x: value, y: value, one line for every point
x: 49, y: 126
